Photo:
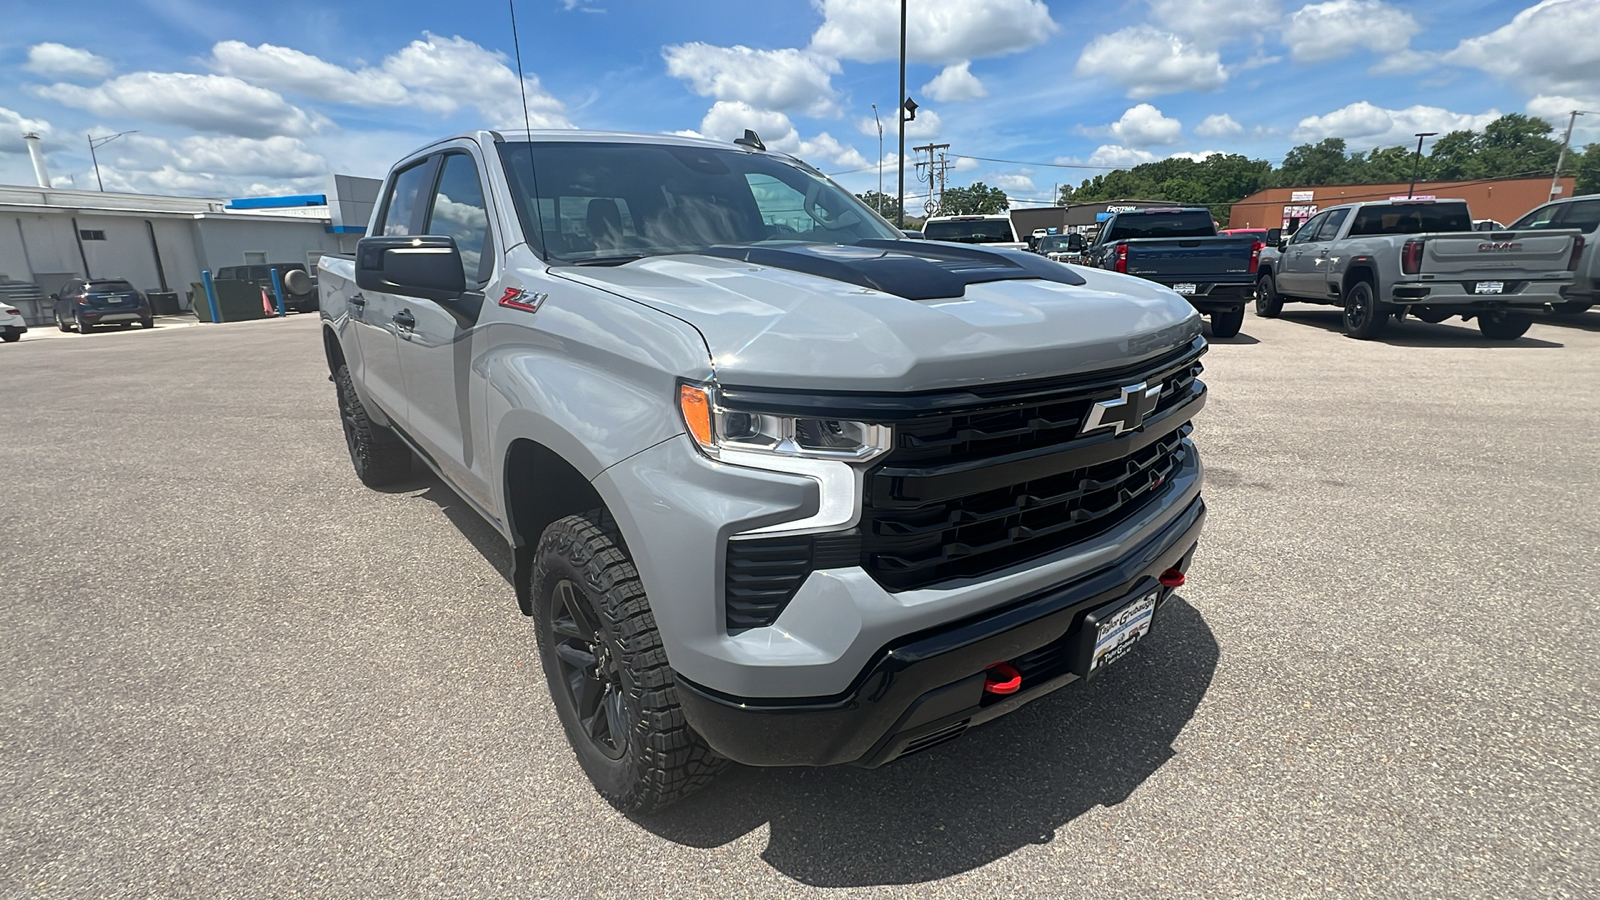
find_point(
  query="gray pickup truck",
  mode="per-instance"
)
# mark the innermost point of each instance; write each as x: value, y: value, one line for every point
x: 1383, y: 261
x: 780, y: 485
x: 1180, y: 248
x: 1583, y: 215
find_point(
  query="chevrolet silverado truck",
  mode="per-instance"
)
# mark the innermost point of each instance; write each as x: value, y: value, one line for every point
x: 1582, y: 214
x: 990, y: 230
x: 1386, y: 260
x: 780, y: 486
x: 1180, y: 248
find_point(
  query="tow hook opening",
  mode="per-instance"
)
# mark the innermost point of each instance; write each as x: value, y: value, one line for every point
x: 1002, y: 678
x: 1172, y: 578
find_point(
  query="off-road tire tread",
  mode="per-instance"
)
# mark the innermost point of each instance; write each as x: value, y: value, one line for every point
x: 1268, y: 307
x: 386, y: 460
x: 669, y: 759
x: 1378, y: 317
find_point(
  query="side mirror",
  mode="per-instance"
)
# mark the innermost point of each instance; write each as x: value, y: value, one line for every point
x: 55, y: 296
x: 1283, y: 244
x: 1274, y: 235
x: 1075, y: 243
x: 426, y: 266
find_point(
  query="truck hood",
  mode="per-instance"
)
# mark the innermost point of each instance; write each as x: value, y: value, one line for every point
x: 773, y: 327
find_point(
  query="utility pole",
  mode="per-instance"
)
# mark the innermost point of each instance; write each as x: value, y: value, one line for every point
x: 936, y: 175
x: 1571, y: 120
x: 1417, y: 161
x: 900, y: 104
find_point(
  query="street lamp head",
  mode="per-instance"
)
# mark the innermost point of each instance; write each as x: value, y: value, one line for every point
x: 910, y: 106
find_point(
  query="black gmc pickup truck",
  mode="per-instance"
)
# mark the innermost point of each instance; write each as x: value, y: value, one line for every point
x: 1180, y: 248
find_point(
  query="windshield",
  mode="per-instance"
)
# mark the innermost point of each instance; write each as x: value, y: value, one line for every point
x: 612, y: 202
x: 1195, y: 223
x: 970, y: 231
x: 108, y: 287
x: 1411, y: 218
x: 1057, y: 242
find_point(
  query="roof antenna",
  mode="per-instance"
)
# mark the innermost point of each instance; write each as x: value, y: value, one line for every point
x: 751, y: 140
x: 521, y: 84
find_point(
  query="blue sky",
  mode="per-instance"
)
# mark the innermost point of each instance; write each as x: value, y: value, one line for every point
x: 231, y: 98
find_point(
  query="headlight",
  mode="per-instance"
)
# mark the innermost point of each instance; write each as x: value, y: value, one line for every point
x: 718, y: 431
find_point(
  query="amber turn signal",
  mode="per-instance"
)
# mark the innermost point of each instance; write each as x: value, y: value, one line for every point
x: 696, y: 408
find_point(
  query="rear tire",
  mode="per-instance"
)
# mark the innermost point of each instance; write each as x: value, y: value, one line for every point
x: 379, y: 457
x: 1570, y: 308
x: 607, y: 671
x: 1363, y: 319
x: 11, y: 337
x: 61, y: 323
x: 1269, y: 303
x: 1500, y: 325
x: 84, y: 327
x: 1227, y: 324
x: 147, y: 323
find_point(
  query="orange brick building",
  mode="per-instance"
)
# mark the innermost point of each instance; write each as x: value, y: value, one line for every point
x: 1502, y: 199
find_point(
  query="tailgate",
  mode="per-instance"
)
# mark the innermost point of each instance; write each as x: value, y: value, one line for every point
x: 111, y: 301
x: 1190, y: 259
x: 1501, y: 254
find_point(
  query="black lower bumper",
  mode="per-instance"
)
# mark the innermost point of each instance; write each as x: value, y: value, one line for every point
x: 929, y: 688
x: 1222, y: 297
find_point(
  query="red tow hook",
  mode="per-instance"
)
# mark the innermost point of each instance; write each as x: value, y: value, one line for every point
x: 1172, y: 578
x: 1002, y: 678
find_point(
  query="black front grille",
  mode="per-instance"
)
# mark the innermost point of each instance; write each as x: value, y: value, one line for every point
x: 969, y: 494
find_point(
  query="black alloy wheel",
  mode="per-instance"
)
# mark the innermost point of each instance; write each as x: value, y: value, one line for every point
x: 378, y: 456
x: 588, y: 670
x: 1269, y: 303
x: 1363, y: 319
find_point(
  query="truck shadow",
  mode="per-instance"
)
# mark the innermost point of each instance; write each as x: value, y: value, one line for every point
x: 488, y: 542
x: 1010, y: 783
x: 1415, y: 333
x: 1589, y: 321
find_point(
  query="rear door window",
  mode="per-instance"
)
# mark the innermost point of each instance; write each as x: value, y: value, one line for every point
x: 1583, y: 215
x: 1411, y: 218
x: 1329, y: 228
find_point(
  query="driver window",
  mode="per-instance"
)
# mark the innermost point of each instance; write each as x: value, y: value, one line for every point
x: 1308, y: 231
x: 1539, y: 218
x: 783, y: 209
x: 458, y: 212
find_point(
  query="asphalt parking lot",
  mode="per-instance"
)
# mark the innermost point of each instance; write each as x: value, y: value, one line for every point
x: 227, y: 669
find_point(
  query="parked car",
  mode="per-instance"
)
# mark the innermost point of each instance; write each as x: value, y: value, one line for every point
x: 1181, y: 249
x: 299, y: 286
x: 1583, y: 214
x: 993, y: 231
x: 1064, y: 248
x: 12, y: 325
x: 780, y: 485
x: 1384, y: 260
x: 86, y: 303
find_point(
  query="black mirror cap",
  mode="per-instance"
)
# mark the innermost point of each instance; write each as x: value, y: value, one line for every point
x: 1074, y: 243
x: 1274, y: 235
x: 426, y: 266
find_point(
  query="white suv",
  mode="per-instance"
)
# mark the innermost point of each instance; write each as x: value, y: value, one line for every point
x: 992, y: 231
x: 12, y: 325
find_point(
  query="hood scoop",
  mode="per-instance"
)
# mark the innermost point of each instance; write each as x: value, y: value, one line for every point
x: 915, y: 270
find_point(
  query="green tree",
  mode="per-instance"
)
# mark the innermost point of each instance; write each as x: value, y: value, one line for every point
x: 1316, y: 164
x: 977, y: 199
x: 1586, y: 167
x: 886, y: 205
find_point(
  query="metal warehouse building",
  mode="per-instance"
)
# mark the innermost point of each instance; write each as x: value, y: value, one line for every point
x: 49, y: 236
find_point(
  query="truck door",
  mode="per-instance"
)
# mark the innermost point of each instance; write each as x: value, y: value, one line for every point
x: 1297, y: 269
x: 376, y: 314
x: 435, y: 339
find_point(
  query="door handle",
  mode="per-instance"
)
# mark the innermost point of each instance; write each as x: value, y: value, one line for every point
x: 358, y: 300
x: 404, y: 319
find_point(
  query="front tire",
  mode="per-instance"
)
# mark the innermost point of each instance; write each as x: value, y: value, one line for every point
x: 1363, y: 320
x: 1227, y: 324
x: 378, y: 456
x: 607, y: 671
x: 1269, y: 303
x: 61, y: 323
x: 1500, y: 325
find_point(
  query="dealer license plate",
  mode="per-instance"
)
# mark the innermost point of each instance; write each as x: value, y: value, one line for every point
x: 1119, y: 633
x: 113, y: 299
x: 1489, y: 287
x: 1184, y: 288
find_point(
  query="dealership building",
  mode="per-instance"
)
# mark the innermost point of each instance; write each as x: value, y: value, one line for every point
x: 1504, y: 200
x: 161, y: 244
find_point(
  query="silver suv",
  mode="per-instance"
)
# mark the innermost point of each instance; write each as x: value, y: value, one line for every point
x: 781, y: 486
x: 1582, y: 214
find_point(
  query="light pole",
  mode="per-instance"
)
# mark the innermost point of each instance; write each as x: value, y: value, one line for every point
x: 900, y: 160
x: 1571, y: 120
x: 101, y: 142
x: 1417, y: 161
x: 880, y: 156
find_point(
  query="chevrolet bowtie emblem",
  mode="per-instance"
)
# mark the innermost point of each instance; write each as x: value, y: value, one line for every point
x: 1124, y: 413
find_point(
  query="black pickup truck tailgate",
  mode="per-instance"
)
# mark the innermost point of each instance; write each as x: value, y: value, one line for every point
x: 1197, y: 259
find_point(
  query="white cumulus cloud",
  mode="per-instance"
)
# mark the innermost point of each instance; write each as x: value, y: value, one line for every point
x: 1015, y: 183
x: 1122, y: 157
x: 956, y: 84
x: 1197, y: 156
x: 215, y: 103
x: 287, y: 69
x: 944, y: 32
x: 1320, y: 32
x: 65, y: 63
x: 1364, y: 125
x: 1548, y: 48
x: 1148, y: 62
x: 789, y: 80
x: 13, y: 125
x: 1211, y: 23
x: 1218, y: 125
x: 1144, y: 125
x: 273, y: 157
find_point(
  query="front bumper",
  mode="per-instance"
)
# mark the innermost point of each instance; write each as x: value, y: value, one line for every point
x: 929, y: 687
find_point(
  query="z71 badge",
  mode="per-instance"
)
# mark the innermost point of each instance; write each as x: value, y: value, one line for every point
x: 517, y: 298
